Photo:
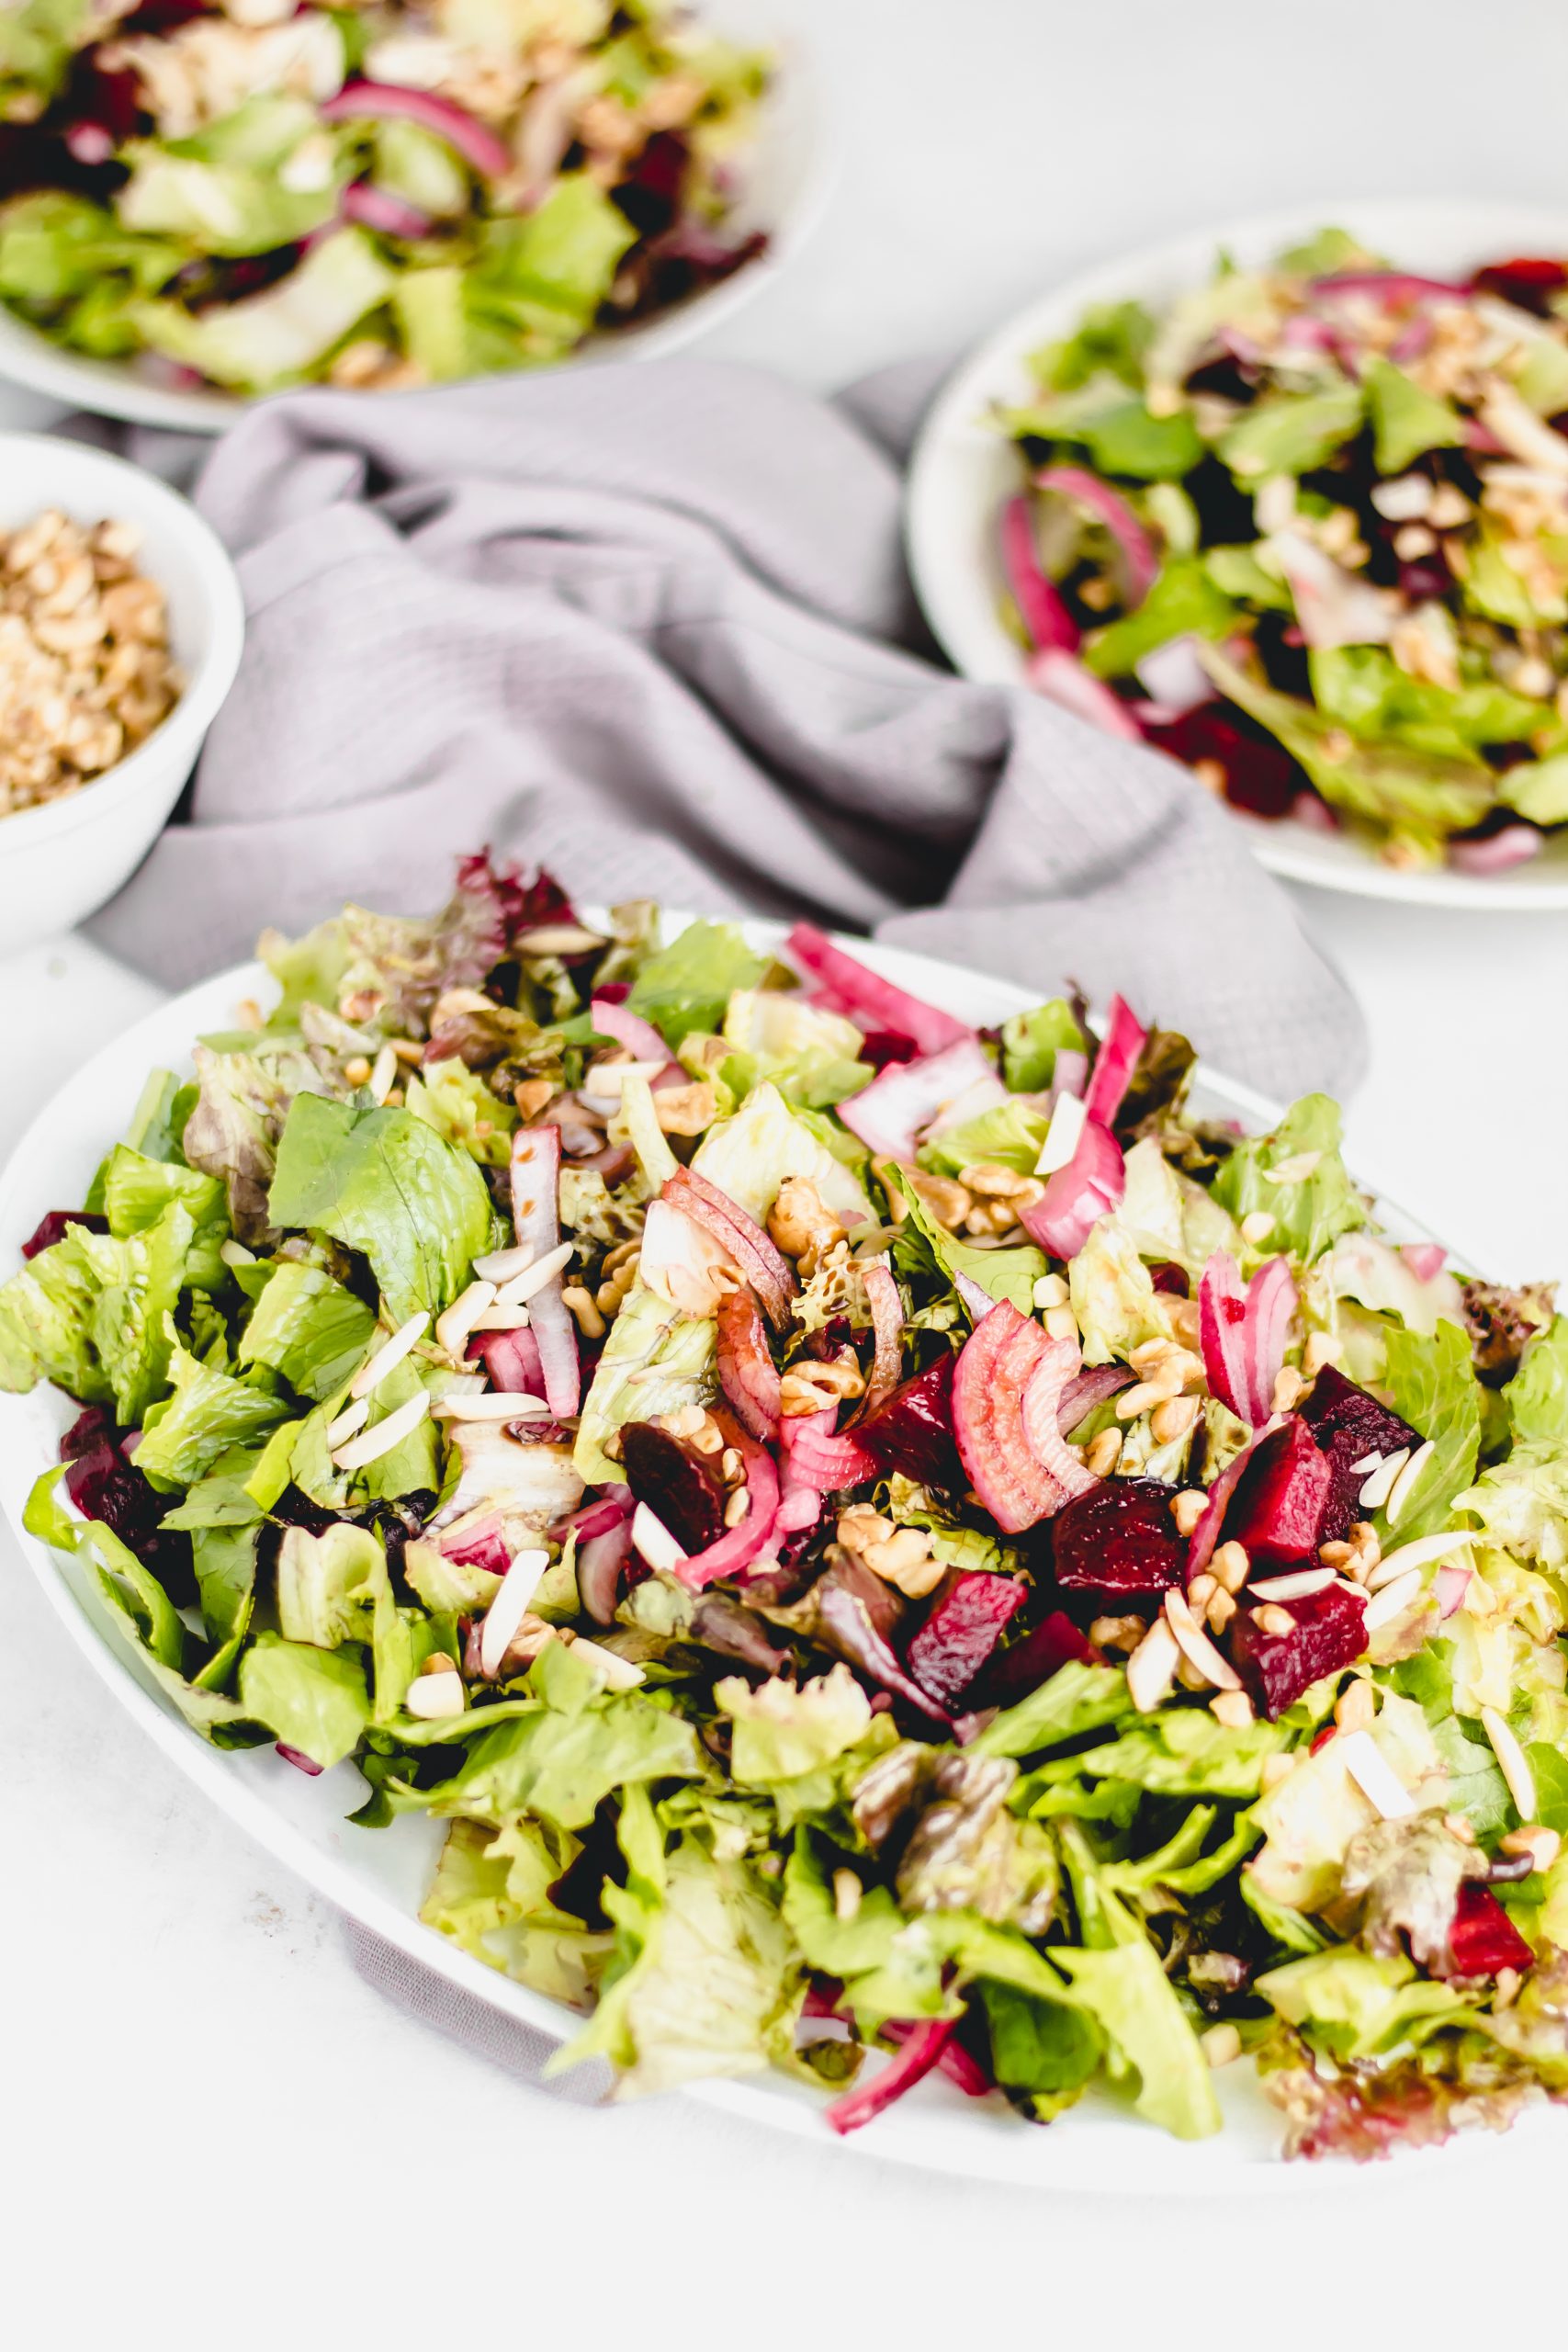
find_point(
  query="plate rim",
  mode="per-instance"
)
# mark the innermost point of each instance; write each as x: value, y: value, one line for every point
x: 920, y: 2129
x: 1285, y: 848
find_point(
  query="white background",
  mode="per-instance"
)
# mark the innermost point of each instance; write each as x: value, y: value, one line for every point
x: 212, y: 2128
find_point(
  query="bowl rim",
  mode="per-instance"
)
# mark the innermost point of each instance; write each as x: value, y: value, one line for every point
x: 798, y: 89
x: 210, y: 682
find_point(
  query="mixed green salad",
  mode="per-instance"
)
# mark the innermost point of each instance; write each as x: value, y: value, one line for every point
x: 252, y: 194
x: 1307, y: 530
x: 873, y: 1536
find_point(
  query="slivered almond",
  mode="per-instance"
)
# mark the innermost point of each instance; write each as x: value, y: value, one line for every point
x: 1512, y: 1762
x: 1195, y: 1645
x: 533, y: 1279
x: 384, y: 1436
x: 509, y: 1608
x: 438, y: 1693
x: 652, y: 1541
x: 370, y: 1375
x: 351, y: 1420
x: 452, y: 1327
x: 1062, y: 1136
x: 1418, y: 1554
x: 1405, y: 1486
x: 1151, y: 1669
x: 499, y: 1265
x: 556, y: 939
x: 1393, y: 1599
x: 619, y: 1673
x: 490, y: 1405
x: 1379, y: 1486
x: 502, y: 1318
x: 1374, y: 1775
x: 1294, y: 1586
x: 1368, y: 1462
x: 383, y: 1074
x: 1294, y: 1171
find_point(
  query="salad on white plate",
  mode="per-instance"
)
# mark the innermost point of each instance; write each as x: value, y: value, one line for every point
x: 869, y: 1535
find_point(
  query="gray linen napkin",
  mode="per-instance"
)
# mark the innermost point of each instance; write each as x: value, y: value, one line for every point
x: 649, y: 624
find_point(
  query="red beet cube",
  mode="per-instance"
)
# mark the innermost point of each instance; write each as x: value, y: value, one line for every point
x: 1349, y: 1424
x: 1484, y: 1939
x: 1329, y: 1633
x: 1035, y: 1658
x: 1277, y: 1509
x: 963, y: 1629
x: 1119, y: 1538
x: 677, y: 1485
x: 912, y: 1431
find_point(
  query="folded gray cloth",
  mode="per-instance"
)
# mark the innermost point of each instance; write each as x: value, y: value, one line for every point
x: 649, y: 625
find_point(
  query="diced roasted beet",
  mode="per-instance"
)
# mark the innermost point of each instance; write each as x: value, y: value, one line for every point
x: 1529, y: 281
x: 1119, y: 1538
x: 51, y: 1228
x: 1167, y: 1275
x: 1484, y: 1939
x: 955, y: 1643
x: 651, y: 194
x: 879, y: 1046
x: 1259, y: 774
x: 104, y: 1484
x: 1329, y: 1633
x: 1035, y: 1658
x: 1349, y: 1424
x: 1278, y: 1507
x: 677, y: 1485
x: 912, y: 1431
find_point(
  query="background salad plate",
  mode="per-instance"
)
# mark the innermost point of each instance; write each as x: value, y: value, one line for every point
x: 380, y: 1877
x: 964, y: 469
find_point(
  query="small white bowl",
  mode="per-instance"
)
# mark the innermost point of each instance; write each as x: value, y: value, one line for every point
x: 59, y: 862
x: 784, y: 181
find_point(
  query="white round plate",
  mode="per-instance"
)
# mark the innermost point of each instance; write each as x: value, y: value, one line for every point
x: 380, y: 1877
x: 786, y: 177
x: 963, y: 469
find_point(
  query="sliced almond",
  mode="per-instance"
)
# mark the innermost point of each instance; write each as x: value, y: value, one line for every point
x: 1405, y: 1486
x: 370, y: 1375
x: 375, y: 1443
x: 556, y: 939
x: 1368, y: 1462
x: 348, y: 1423
x: 436, y: 1694
x: 1418, y: 1554
x: 452, y: 1327
x: 1393, y: 1599
x: 526, y: 1285
x: 1512, y: 1762
x: 1195, y: 1645
x: 1294, y: 1171
x: 616, y: 1672
x: 1379, y: 1486
x: 499, y: 1265
x: 509, y: 1608
x: 1151, y: 1669
x: 652, y: 1541
x: 383, y: 1074
x: 1294, y: 1586
x: 502, y: 1318
x: 490, y: 1405
x: 1373, y: 1774
x: 1062, y: 1136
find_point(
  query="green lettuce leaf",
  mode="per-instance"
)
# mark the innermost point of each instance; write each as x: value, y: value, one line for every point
x: 308, y: 1329
x: 1432, y: 1385
x: 206, y: 1413
x: 457, y: 1102
x: 1357, y: 2004
x: 688, y: 984
x: 226, y: 190
x: 231, y: 1131
x: 1183, y: 602
x: 922, y: 1246
x: 1044, y: 2051
x: 1291, y: 433
x: 781, y: 1731
x: 314, y: 1700
x: 491, y: 1894
x: 1075, y: 1700
x: 136, y: 1192
x: 1130, y: 1999
x: 92, y: 1314
x: 1538, y: 1393
x: 647, y: 1335
x: 1010, y: 1135
x: 276, y: 337
x: 385, y: 1184
x: 1407, y: 419
x: 1309, y: 1210
x: 1030, y: 1042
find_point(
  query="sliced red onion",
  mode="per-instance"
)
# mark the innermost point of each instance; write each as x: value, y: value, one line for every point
x: 1426, y: 1259
x: 1388, y: 286
x: 1069, y: 1072
x: 816, y: 1458
x: 600, y: 1560
x: 1450, y: 1584
x: 873, y: 1003
x: 887, y: 1330
x: 921, y: 2051
x: 1511, y: 845
x: 747, y: 1373
x: 994, y: 1369
x: 385, y: 101
x: 599, y: 1514
x: 629, y: 1029
x: 1242, y: 1333
x: 890, y: 1113
x: 300, y: 1762
x: 1079, y: 1195
x: 959, y: 2065
x: 1483, y: 440
x: 800, y: 1507
x: 1173, y: 674
x: 1108, y: 506
x: 739, y: 1546
x: 769, y: 1273
x: 1043, y: 1398
x: 1063, y: 679
x: 536, y: 1212
x: 378, y: 208
x: 1412, y: 341
x: 1206, y: 1535
x: 513, y: 1361
x: 1115, y: 1062
x: 1044, y: 614
x: 1087, y: 1390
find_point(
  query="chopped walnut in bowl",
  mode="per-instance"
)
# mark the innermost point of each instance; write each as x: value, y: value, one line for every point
x: 86, y: 672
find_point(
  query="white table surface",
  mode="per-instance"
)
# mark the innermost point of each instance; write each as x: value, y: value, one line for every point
x: 211, y: 2125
